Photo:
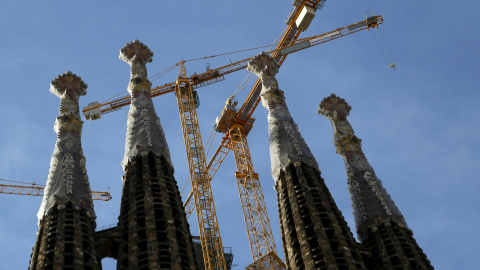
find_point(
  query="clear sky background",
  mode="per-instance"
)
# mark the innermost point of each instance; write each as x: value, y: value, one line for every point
x: 419, y: 124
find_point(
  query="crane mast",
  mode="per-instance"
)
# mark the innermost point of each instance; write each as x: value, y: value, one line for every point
x: 202, y: 191
x: 228, y: 114
x: 236, y: 125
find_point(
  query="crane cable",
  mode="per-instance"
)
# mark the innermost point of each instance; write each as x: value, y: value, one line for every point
x: 380, y: 48
x: 152, y: 78
x: 165, y: 71
x: 386, y: 45
x: 240, y: 87
x: 210, y: 142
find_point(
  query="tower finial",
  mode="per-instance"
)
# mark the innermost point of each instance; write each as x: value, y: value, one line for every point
x: 67, y: 179
x: 314, y: 233
x: 70, y: 83
x: 286, y: 143
x: 372, y: 205
x: 144, y: 132
x: 380, y: 225
x: 66, y: 236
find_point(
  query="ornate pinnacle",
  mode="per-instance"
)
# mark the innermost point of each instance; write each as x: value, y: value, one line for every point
x: 136, y: 51
x: 263, y: 65
x: 335, y: 107
x: 286, y: 143
x: 67, y: 179
x: 137, y: 55
x: 70, y: 83
x: 371, y: 203
x: 144, y: 132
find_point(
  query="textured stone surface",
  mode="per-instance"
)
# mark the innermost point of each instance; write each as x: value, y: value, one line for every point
x: 154, y: 233
x: 144, y: 132
x: 67, y: 179
x: 380, y: 224
x: 286, y: 143
x: 108, y: 241
x: 153, y: 227
x: 66, y: 235
x: 314, y: 232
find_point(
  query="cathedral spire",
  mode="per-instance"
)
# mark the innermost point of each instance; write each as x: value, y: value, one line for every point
x: 371, y: 203
x: 67, y: 179
x: 286, y: 143
x: 314, y: 232
x: 66, y: 236
x: 152, y: 222
x: 381, y: 227
x: 144, y: 132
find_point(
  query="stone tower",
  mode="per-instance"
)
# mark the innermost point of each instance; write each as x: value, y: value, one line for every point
x: 314, y: 232
x: 66, y: 235
x: 154, y: 233
x: 381, y: 227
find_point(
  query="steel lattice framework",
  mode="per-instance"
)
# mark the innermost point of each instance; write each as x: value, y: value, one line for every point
x: 202, y: 191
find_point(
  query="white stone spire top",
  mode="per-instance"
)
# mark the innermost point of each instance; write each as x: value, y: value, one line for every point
x: 67, y: 179
x: 286, y: 143
x: 371, y: 203
x: 144, y: 132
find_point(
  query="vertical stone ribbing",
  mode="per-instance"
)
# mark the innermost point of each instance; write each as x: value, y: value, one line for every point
x: 66, y: 237
x: 380, y: 225
x: 314, y: 232
x: 152, y: 222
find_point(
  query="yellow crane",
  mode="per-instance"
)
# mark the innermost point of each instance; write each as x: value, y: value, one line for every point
x: 210, y: 239
x: 236, y: 126
x: 37, y: 190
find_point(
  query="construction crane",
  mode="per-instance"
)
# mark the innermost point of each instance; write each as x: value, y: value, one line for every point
x: 230, y: 115
x: 236, y: 128
x: 37, y: 190
x: 236, y: 125
x: 210, y: 239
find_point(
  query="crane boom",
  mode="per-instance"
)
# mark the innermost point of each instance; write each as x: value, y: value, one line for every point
x: 94, y: 110
x: 37, y: 190
x: 254, y: 99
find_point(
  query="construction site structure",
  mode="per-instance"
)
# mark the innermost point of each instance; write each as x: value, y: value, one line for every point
x: 212, y: 248
x: 95, y: 110
x: 256, y: 218
x: 66, y: 235
x: 381, y: 227
x: 153, y: 230
x: 314, y: 232
x: 230, y: 115
x: 236, y: 124
x: 38, y: 190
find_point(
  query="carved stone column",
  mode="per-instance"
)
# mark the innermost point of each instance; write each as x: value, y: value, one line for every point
x: 66, y: 237
x: 380, y: 225
x: 152, y: 222
x: 314, y: 232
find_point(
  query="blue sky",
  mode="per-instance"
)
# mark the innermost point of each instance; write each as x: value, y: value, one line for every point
x: 419, y: 124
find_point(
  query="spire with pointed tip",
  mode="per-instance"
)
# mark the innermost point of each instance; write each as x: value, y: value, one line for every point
x: 152, y: 221
x: 380, y: 224
x: 144, y: 132
x: 66, y: 236
x: 286, y: 143
x: 314, y: 232
x: 372, y: 205
x: 67, y: 180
